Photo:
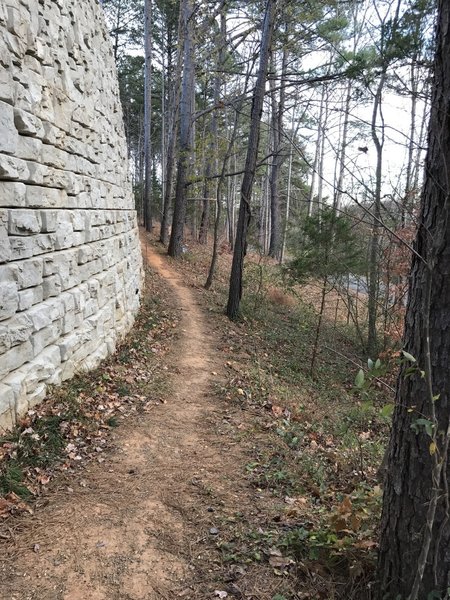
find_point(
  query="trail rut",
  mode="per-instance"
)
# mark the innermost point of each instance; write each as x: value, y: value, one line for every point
x: 129, y: 533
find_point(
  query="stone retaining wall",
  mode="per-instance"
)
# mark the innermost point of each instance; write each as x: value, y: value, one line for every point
x: 70, y: 265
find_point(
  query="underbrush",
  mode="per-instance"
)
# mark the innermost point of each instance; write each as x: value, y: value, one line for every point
x: 315, y: 444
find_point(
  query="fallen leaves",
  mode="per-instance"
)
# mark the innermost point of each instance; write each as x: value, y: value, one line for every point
x: 12, y: 504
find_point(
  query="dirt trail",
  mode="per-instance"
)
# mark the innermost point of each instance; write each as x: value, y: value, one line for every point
x: 128, y: 528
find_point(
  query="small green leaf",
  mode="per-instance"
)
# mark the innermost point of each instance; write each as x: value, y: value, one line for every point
x: 425, y: 423
x: 387, y: 410
x: 370, y: 363
x: 408, y: 356
x: 359, y: 379
x: 377, y: 363
x: 435, y: 398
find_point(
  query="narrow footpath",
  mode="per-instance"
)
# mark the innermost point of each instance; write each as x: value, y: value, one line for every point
x: 129, y: 530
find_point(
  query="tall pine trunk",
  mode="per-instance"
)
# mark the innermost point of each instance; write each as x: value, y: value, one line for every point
x: 414, y: 558
x: 185, y: 142
x: 277, y: 125
x: 240, y: 246
x: 148, y: 222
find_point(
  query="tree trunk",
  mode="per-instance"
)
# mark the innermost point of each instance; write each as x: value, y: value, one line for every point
x: 148, y: 223
x: 342, y: 155
x: 185, y: 144
x: 316, y: 154
x: 240, y: 246
x: 277, y: 132
x: 211, y: 160
x: 174, y: 101
x: 373, y: 284
x: 414, y: 558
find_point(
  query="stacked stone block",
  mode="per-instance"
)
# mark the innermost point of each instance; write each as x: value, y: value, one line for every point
x: 70, y: 264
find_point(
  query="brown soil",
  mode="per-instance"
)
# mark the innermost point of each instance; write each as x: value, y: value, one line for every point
x: 130, y: 528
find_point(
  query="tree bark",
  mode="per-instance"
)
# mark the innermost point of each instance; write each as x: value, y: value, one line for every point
x: 373, y: 284
x: 414, y: 558
x: 148, y: 222
x: 185, y: 143
x: 174, y: 101
x: 240, y: 246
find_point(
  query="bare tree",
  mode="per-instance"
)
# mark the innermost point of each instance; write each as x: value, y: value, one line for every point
x: 240, y: 246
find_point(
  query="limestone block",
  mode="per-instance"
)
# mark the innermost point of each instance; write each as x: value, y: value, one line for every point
x: 16, y: 381
x: 36, y: 397
x: 43, y: 243
x: 85, y: 200
x: 49, y: 265
x: 78, y: 297
x: 94, y: 358
x: 27, y: 124
x: 79, y: 238
x: 14, y: 44
x: 78, y: 218
x: 90, y: 308
x: 47, y: 363
x: 41, y: 51
x: 55, y: 157
x: 12, y: 194
x: 24, y: 222
x: 24, y: 98
x: 68, y: 369
x: 8, y: 88
x: 9, y: 273
x: 40, y: 316
x: 43, y: 197
x: 9, y: 299
x: 37, y: 172
x: 29, y: 148
x: 7, y: 407
x: 31, y: 63
x: 5, y: 250
x: 13, y: 168
x: 43, y: 338
x: 63, y: 234
x: 50, y: 131
x: 73, y: 184
x: 9, y: 137
x: 55, y: 178
x: 13, y: 332
x: 51, y: 286
x: 30, y: 273
x: 29, y: 297
x: 17, y: 20
x: 68, y: 344
x: 49, y: 220
x: 15, y: 357
x: 70, y: 322
x: 3, y: 15
x: 61, y: 112
x: 85, y: 254
x: 93, y: 234
x: 66, y: 265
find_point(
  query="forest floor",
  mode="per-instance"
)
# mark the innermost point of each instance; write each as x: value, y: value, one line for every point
x: 225, y: 479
